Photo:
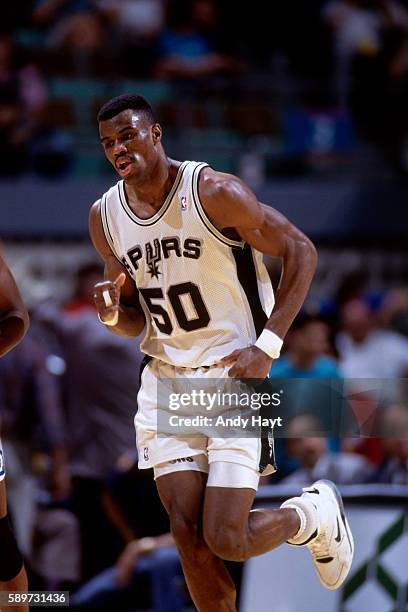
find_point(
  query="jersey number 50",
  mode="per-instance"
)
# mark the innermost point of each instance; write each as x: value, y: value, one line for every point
x: 174, y: 294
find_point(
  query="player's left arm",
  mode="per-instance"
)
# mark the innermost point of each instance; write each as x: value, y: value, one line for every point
x: 231, y: 204
x: 13, y: 313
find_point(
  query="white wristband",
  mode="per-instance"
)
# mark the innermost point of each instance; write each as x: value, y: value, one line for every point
x: 269, y: 343
x: 111, y: 322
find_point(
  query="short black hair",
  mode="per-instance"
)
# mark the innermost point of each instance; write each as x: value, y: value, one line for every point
x: 124, y: 102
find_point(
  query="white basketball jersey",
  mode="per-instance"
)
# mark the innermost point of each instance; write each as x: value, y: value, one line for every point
x: 203, y: 294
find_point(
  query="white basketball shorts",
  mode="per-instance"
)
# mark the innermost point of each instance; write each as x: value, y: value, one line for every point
x: 180, y: 452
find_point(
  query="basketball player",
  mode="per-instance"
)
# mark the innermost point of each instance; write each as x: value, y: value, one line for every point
x: 183, y: 249
x: 13, y: 326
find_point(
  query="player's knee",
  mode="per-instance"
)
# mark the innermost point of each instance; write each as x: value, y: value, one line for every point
x: 185, y: 531
x: 187, y: 536
x: 11, y: 561
x: 227, y: 542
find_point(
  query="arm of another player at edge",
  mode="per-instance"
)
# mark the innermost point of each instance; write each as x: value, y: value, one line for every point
x: 230, y: 203
x: 131, y: 320
x: 14, y: 321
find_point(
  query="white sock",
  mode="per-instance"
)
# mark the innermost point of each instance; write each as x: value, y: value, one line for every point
x: 307, y: 513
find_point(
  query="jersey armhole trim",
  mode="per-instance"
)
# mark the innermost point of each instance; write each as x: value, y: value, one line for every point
x: 203, y: 215
x: 105, y: 225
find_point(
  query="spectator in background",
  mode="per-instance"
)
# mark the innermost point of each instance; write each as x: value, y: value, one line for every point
x: 136, y: 19
x: 82, y: 300
x: 186, y: 50
x: 372, y: 360
x: 370, y: 51
x: 301, y: 370
x: 307, y: 445
x: 394, y: 311
x: 358, y: 27
x: 308, y: 354
x: 367, y: 351
x: 310, y: 369
x: 26, y: 143
x: 34, y: 430
x: 136, y: 25
x: 394, y: 468
x: 102, y: 388
x: 22, y: 100
x: 15, y: 70
x: 72, y: 24
x: 133, y: 505
x: 100, y: 393
x: 55, y: 562
x: 396, y: 132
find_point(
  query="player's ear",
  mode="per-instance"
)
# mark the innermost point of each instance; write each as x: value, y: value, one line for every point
x: 156, y: 133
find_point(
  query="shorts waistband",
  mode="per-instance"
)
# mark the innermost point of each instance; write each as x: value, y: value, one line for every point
x: 185, y: 368
x: 196, y: 368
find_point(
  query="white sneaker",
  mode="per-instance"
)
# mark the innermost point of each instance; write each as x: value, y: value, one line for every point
x: 332, y: 548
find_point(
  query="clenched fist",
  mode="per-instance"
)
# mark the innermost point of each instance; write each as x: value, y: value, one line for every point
x: 107, y: 299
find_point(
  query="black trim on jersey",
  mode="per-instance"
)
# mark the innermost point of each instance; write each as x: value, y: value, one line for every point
x: 165, y: 206
x: 104, y: 215
x: 206, y: 221
x: 123, y: 205
x: 105, y: 212
x: 146, y: 359
x: 246, y: 272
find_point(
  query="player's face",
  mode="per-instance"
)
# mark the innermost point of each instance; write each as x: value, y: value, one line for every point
x: 130, y: 144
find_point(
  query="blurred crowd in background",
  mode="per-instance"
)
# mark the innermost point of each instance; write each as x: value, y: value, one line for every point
x: 299, y: 80
x: 301, y: 89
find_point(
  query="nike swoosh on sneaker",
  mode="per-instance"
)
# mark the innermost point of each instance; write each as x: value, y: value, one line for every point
x: 338, y: 536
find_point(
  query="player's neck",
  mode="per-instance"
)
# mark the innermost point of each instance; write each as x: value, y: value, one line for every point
x: 155, y: 188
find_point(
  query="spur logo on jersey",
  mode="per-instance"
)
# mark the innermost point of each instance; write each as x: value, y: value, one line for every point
x: 155, y: 252
x: 153, y: 256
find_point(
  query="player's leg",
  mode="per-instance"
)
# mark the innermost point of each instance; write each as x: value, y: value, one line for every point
x: 235, y: 532
x: 231, y: 529
x: 12, y: 573
x: 181, y: 485
x: 209, y: 582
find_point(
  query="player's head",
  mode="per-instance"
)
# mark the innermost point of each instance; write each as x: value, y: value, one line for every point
x: 130, y: 136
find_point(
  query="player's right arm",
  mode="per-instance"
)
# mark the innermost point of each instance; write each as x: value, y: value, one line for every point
x: 118, y: 286
x: 13, y: 313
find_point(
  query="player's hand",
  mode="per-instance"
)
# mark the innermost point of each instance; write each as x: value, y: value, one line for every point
x: 249, y: 362
x: 107, y: 298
